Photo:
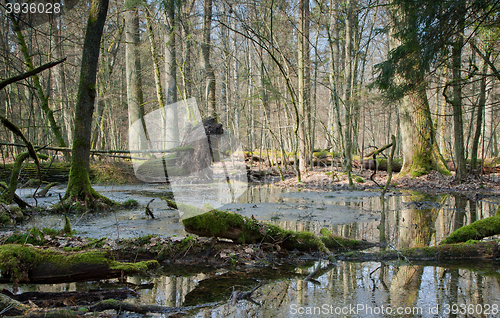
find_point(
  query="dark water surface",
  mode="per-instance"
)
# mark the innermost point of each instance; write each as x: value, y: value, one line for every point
x: 343, y: 289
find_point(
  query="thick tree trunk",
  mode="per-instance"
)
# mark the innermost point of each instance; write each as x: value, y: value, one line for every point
x: 79, y: 187
x: 420, y: 151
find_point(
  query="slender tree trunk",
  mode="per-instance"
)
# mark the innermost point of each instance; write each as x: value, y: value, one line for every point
x: 155, y: 58
x: 479, y: 119
x: 304, y: 79
x: 134, y: 82
x: 107, y: 67
x: 349, y: 64
x: 205, y: 59
x: 60, y: 79
x: 461, y: 169
x: 171, y: 120
x: 79, y: 187
x: 186, y: 72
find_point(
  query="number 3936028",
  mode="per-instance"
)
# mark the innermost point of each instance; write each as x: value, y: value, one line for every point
x: 33, y: 7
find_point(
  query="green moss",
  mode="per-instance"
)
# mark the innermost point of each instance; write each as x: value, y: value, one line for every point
x: 32, y: 236
x: 336, y: 242
x: 215, y: 222
x: 16, y: 261
x: 218, y: 223
x: 138, y: 267
x: 10, y: 214
x: 321, y: 154
x: 475, y: 231
x: 129, y: 204
x: 359, y: 179
x: 5, y: 218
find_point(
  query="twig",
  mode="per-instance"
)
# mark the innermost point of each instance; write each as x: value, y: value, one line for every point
x: 238, y: 295
x: 148, y: 210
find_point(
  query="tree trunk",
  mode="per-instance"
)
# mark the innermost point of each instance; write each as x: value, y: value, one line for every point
x: 461, y: 169
x: 420, y: 151
x: 349, y: 64
x: 79, y: 187
x: 137, y: 127
x: 171, y: 113
x: 479, y: 120
x: 107, y: 67
x: 303, y: 78
x: 205, y: 60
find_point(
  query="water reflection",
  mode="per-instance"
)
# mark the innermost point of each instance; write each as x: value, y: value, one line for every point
x: 345, y: 289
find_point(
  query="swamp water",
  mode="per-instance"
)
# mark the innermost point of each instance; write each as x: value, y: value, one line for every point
x: 343, y: 289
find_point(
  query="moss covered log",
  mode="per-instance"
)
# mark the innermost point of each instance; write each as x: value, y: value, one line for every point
x: 20, y: 263
x: 337, y: 242
x: 461, y: 251
x: 248, y: 231
x: 476, y: 230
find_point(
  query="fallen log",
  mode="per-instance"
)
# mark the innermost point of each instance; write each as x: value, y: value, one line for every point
x: 370, y: 164
x: 62, y: 299
x: 19, y: 263
x: 476, y: 230
x: 460, y: 251
x: 16, y: 309
x: 246, y: 230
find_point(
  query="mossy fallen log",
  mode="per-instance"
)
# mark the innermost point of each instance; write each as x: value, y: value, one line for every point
x: 382, y: 164
x: 461, y: 251
x: 247, y: 230
x: 16, y: 309
x: 476, y: 230
x: 20, y: 263
x: 337, y: 242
